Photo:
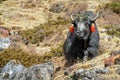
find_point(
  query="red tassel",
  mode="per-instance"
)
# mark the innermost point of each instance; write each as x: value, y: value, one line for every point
x: 92, y: 28
x: 71, y: 29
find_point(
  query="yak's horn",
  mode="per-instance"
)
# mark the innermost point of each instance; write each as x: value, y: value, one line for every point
x: 71, y: 16
x: 97, y: 16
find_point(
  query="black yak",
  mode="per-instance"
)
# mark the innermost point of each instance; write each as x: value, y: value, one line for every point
x: 82, y: 39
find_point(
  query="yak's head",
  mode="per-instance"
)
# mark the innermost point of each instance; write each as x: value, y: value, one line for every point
x: 82, y: 24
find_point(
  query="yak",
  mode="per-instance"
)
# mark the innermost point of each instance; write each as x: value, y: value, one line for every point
x: 82, y: 39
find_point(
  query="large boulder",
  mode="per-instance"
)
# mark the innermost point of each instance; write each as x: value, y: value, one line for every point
x: 11, y: 69
x: 85, y: 74
x: 16, y: 71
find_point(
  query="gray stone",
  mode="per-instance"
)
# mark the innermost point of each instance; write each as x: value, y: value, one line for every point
x: 107, y: 37
x: 103, y: 30
x: 4, y: 43
x: 11, y: 69
x: 1, y: 76
x: 23, y: 75
x: 47, y: 65
x: 44, y: 70
x: 118, y: 71
x: 93, y: 73
x: 88, y: 74
x: 16, y: 71
x: 102, y: 70
x: 85, y: 78
x: 80, y: 72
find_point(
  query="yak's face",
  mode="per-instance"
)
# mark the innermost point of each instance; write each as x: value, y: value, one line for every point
x: 83, y: 23
x: 82, y: 29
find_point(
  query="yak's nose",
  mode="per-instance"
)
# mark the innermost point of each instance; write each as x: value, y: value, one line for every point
x: 79, y: 33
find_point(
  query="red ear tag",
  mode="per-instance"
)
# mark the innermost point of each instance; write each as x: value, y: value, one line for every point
x: 72, y: 29
x: 92, y: 28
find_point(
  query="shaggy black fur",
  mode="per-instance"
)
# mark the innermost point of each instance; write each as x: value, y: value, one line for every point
x: 75, y: 48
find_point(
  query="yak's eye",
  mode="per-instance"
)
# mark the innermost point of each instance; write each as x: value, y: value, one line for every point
x: 85, y: 31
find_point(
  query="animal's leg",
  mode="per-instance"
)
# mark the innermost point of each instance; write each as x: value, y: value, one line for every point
x: 69, y: 59
x: 85, y: 58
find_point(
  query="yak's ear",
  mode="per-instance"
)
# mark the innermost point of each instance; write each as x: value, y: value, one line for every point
x: 71, y: 29
x: 74, y: 23
x: 92, y: 28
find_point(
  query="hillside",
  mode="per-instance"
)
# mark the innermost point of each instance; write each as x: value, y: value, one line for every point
x: 42, y: 27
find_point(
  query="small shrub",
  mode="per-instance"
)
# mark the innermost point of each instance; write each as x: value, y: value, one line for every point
x: 114, y: 6
x: 57, y: 51
x: 115, y: 32
x: 39, y: 33
x: 112, y: 30
x: 2, y: 0
x: 25, y: 58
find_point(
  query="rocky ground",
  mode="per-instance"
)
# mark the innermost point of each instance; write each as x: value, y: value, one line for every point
x: 27, y: 14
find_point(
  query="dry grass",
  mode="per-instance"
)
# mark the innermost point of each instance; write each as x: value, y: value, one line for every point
x: 2, y: 0
x: 45, y: 24
x: 41, y: 32
x: 114, y: 6
x: 14, y: 15
x: 113, y: 30
x: 27, y: 59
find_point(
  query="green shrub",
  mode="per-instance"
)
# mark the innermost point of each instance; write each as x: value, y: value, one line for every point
x: 112, y: 30
x: 2, y: 1
x: 114, y: 6
x: 25, y: 58
x: 115, y: 32
x: 39, y: 33
x: 57, y: 51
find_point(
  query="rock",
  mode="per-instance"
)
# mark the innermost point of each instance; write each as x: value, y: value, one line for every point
x: 4, y: 43
x: 118, y: 71
x: 68, y: 79
x: 117, y: 61
x: 26, y: 74
x: 107, y: 37
x: 102, y: 70
x: 44, y: 70
x: 85, y: 78
x: 93, y: 73
x: 79, y: 73
x: 11, y: 69
x: 16, y: 71
x: 103, y: 30
x: 84, y: 74
x: 88, y: 74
